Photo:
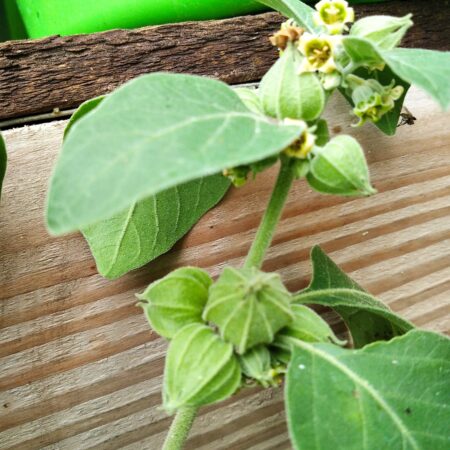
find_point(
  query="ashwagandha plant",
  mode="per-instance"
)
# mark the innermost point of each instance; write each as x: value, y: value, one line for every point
x: 139, y: 168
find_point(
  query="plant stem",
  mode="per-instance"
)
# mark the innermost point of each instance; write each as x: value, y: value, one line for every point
x: 272, y: 216
x: 179, y: 430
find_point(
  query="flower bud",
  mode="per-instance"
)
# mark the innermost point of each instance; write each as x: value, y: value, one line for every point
x: 176, y: 300
x: 237, y: 175
x: 340, y: 168
x: 334, y: 14
x: 287, y: 94
x: 289, y: 32
x: 248, y: 307
x: 307, y: 326
x: 371, y: 99
x: 256, y: 365
x: 200, y: 369
x: 384, y: 31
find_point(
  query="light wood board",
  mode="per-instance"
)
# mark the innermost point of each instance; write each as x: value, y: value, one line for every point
x: 79, y: 366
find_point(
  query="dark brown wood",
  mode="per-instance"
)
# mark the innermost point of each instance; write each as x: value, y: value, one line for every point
x: 39, y: 76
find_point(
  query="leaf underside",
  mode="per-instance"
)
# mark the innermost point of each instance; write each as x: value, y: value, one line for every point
x: 390, y: 395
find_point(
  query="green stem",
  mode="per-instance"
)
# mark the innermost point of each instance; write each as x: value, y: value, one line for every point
x: 179, y: 430
x: 272, y: 216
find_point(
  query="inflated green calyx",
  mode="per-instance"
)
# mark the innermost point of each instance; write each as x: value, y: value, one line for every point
x: 176, y: 300
x: 200, y: 369
x: 248, y: 307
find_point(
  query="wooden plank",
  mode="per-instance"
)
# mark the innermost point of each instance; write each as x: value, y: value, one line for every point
x: 80, y: 367
x: 39, y: 76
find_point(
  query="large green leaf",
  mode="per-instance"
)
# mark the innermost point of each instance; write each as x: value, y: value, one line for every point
x: 388, y: 396
x: 297, y: 10
x: 3, y: 161
x: 368, y: 319
x: 427, y: 69
x: 151, y: 227
x: 362, y: 52
x: 154, y: 133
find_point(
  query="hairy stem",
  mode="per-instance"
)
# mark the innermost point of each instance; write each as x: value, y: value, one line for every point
x: 272, y: 216
x: 180, y: 428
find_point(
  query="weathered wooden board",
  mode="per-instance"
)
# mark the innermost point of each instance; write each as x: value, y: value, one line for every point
x: 79, y: 366
x: 39, y: 76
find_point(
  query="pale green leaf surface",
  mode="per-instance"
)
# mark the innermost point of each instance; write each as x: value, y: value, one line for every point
x: 297, y: 10
x: 361, y: 51
x: 155, y: 132
x: 3, y: 161
x: 368, y: 319
x: 390, y: 395
x: 427, y: 69
x: 151, y: 227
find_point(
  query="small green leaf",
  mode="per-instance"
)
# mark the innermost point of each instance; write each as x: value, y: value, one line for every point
x: 390, y: 395
x: 152, y: 134
x: 3, y: 162
x: 82, y: 111
x: 285, y: 93
x: 148, y: 228
x: 362, y: 52
x: 297, y: 10
x: 340, y: 168
x: 256, y: 364
x: 385, y: 32
x: 248, y: 306
x: 322, y: 133
x: 200, y: 369
x: 368, y: 319
x: 176, y: 300
x: 427, y: 69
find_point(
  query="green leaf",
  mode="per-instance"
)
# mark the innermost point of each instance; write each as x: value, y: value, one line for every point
x: 251, y: 99
x: 154, y: 133
x: 176, y: 300
x: 340, y: 168
x: 82, y: 111
x: 297, y: 10
x: 3, y: 162
x: 200, y: 369
x: 386, y: 32
x: 287, y: 94
x: 362, y: 52
x: 151, y: 227
x: 427, y: 69
x: 248, y: 307
x: 391, y: 395
x: 367, y: 318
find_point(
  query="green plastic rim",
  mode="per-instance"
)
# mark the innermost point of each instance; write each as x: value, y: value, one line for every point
x: 49, y: 17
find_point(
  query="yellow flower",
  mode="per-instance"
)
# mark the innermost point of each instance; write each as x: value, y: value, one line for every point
x: 302, y: 146
x: 334, y: 14
x: 318, y: 53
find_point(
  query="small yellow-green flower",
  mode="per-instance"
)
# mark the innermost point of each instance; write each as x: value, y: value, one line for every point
x: 318, y: 53
x: 334, y: 14
x: 373, y: 100
x: 302, y: 147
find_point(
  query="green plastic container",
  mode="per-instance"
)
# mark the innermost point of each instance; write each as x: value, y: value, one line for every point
x: 66, y: 17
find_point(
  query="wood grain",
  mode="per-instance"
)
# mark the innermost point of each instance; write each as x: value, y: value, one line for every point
x: 39, y: 76
x: 80, y: 368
